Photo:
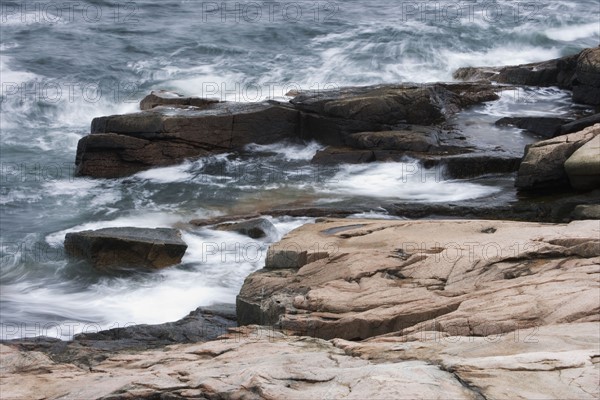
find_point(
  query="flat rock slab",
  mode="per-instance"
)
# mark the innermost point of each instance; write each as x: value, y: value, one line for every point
x: 362, y: 278
x: 583, y: 167
x: 549, y: 362
x: 127, y: 247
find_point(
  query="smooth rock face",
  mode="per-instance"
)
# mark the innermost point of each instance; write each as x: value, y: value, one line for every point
x: 543, y: 164
x: 546, y: 362
x: 127, y: 247
x: 362, y: 278
x: 583, y: 167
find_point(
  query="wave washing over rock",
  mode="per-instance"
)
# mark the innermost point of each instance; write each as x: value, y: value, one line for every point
x: 268, y: 206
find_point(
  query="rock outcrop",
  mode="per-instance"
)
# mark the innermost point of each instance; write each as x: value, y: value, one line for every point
x: 121, y: 145
x: 579, y: 73
x: 125, y: 247
x: 356, y: 279
x: 558, y: 72
x: 174, y: 128
x: 543, y: 166
x: 554, y: 361
x: 447, y: 309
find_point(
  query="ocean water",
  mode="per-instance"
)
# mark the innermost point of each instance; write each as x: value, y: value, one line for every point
x: 64, y: 63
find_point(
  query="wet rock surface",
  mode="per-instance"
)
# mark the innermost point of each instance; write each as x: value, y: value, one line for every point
x: 579, y: 73
x: 122, y: 248
x: 120, y: 145
x: 174, y: 128
x: 254, y: 228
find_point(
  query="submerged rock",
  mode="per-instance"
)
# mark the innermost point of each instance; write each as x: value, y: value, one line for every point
x: 127, y: 247
x: 254, y: 228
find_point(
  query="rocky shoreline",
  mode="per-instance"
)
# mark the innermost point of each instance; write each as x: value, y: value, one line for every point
x: 484, y: 299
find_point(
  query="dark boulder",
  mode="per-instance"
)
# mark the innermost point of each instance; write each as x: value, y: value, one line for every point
x: 580, y: 124
x: 547, y: 127
x: 579, y: 73
x: 557, y: 72
x: 110, y: 248
x: 120, y: 145
x: 418, y: 139
x: 586, y: 88
x: 342, y: 155
x: 254, y: 228
x: 200, y: 325
x: 331, y: 116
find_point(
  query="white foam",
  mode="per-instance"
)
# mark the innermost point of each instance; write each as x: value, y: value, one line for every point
x: 574, y: 32
x: 402, y: 181
x: 288, y: 151
x: 177, y: 173
x: 512, y: 54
